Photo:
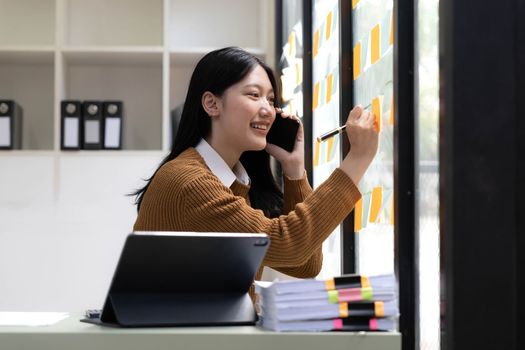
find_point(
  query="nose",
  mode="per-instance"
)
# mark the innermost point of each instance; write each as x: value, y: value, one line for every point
x: 267, y: 108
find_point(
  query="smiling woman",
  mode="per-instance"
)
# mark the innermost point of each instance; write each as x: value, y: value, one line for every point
x: 217, y: 177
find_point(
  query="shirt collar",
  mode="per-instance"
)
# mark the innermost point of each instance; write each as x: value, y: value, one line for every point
x: 219, y: 167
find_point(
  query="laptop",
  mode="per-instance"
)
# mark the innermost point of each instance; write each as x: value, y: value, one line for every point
x: 184, y: 279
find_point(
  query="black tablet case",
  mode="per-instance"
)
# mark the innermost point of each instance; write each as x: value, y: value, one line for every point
x: 176, y: 279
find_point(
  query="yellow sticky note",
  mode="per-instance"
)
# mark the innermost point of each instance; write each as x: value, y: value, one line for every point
x: 316, y: 153
x: 315, y: 100
x: 375, y: 203
x: 315, y: 46
x: 358, y: 215
x: 329, y: 82
x: 291, y: 44
x: 376, y: 111
x: 374, y: 46
x: 328, y: 24
x: 357, y: 61
x: 354, y: 3
x: 299, y: 72
x: 330, y: 143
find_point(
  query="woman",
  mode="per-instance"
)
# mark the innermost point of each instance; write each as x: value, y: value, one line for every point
x: 217, y: 177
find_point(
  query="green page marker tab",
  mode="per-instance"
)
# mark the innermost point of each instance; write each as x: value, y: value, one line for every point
x: 366, y: 293
x: 333, y: 296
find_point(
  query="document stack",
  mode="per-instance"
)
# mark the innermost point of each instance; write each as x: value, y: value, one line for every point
x: 345, y: 303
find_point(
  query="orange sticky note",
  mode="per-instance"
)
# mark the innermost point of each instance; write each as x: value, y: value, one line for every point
x: 374, y: 46
x: 379, y: 309
x: 315, y: 45
x: 328, y: 24
x: 354, y: 3
x: 357, y: 61
x: 329, y: 82
x: 343, y: 310
x: 376, y: 111
x: 375, y: 205
x: 316, y: 153
x: 329, y: 284
x: 392, y: 29
x: 365, y: 282
x: 392, y: 211
x: 392, y: 112
x: 358, y: 215
x: 315, y: 100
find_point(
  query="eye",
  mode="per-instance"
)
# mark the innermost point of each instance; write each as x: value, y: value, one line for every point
x: 254, y: 94
x: 271, y: 100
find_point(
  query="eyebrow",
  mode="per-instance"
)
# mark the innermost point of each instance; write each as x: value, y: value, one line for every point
x: 258, y: 86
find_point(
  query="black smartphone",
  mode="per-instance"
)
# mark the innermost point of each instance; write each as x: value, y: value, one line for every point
x: 283, y: 132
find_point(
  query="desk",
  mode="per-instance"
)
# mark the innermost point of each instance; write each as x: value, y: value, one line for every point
x: 72, y: 334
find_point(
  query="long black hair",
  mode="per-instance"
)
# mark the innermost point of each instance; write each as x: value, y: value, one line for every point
x: 216, y: 72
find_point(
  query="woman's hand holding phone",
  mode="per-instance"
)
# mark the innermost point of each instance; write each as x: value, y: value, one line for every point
x: 292, y: 163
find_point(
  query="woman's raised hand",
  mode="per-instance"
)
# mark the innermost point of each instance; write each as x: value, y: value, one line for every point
x: 362, y: 133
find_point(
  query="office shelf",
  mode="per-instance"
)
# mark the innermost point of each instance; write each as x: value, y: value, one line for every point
x: 141, y: 52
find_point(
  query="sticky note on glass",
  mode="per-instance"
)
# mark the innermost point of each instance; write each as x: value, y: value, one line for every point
x: 376, y: 111
x: 315, y: 101
x: 291, y: 44
x: 329, y: 83
x: 392, y: 112
x: 375, y: 203
x: 357, y: 61
x: 316, y: 153
x: 358, y: 215
x: 328, y: 25
x: 392, y: 211
x: 374, y: 44
x: 315, y: 46
x: 392, y: 29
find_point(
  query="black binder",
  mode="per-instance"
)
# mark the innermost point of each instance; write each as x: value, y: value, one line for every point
x: 112, y: 114
x: 10, y: 125
x: 184, y: 279
x: 92, y: 125
x: 71, y: 125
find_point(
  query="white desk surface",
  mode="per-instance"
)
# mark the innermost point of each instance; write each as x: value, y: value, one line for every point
x: 70, y: 333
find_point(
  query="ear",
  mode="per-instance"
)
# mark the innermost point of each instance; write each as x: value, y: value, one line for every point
x: 210, y: 104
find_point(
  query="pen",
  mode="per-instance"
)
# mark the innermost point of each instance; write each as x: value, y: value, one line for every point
x: 335, y: 131
x: 331, y: 133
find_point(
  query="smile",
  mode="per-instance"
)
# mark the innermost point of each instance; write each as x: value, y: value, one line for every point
x: 259, y: 126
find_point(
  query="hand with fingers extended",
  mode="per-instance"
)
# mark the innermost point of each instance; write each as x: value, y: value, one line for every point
x: 292, y: 163
x: 363, y: 136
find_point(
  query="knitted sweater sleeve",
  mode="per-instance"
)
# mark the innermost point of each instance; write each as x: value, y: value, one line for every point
x: 207, y: 205
x: 295, y: 192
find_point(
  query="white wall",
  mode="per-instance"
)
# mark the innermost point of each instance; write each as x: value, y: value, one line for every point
x: 63, y: 220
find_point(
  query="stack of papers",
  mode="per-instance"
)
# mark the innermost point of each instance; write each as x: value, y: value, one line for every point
x: 350, y: 302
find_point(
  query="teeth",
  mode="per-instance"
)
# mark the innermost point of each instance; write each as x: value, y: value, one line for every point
x: 259, y: 126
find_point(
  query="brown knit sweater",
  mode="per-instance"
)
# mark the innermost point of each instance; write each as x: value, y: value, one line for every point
x: 185, y: 195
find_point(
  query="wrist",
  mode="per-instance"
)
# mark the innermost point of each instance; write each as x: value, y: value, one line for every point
x: 296, y: 174
x: 355, y: 167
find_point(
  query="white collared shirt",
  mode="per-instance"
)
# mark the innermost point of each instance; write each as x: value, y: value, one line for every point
x: 219, y: 167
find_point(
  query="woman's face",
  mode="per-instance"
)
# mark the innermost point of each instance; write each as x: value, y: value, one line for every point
x: 246, y: 112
